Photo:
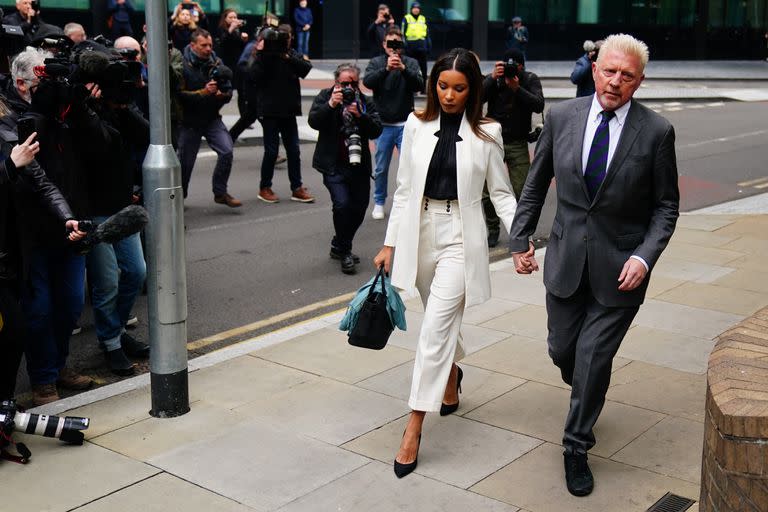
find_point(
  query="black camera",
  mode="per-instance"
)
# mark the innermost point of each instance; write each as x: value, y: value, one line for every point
x: 386, y: 16
x: 395, y: 44
x: 348, y: 95
x: 510, y: 68
x: 35, y: 5
x: 275, y: 41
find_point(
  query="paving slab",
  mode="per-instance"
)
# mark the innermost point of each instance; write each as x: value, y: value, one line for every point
x: 666, y: 348
x: 750, y: 262
x: 672, y: 447
x: 326, y: 352
x: 494, y: 308
x: 529, y: 321
x: 327, y: 410
x: 116, y: 412
x: 454, y: 450
x: 242, y: 380
x: 374, y: 488
x: 676, y: 268
x: 743, y: 279
x: 746, y: 225
x: 686, y: 320
x: 528, y: 289
x: 656, y: 388
x: 153, y: 436
x: 536, y: 482
x: 539, y: 411
x: 258, y: 465
x: 701, y: 254
x: 750, y: 244
x: 163, y: 493
x: 61, y: 477
x: 703, y: 238
x: 478, y: 385
x: 660, y: 284
x: 716, y: 298
x: 705, y: 222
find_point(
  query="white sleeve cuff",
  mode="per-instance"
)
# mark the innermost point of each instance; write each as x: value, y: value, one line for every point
x: 641, y: 260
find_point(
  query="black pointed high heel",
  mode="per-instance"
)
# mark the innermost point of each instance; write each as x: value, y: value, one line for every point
x: 446, y: 409
x: 403, y: 469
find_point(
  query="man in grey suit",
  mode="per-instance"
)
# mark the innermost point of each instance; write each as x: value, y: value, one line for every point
x: 615, y: 171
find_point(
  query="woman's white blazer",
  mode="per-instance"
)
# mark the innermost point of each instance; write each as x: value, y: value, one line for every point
x: 477, y: 161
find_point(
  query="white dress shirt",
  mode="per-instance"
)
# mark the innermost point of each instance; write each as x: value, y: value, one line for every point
x: 615, y: 125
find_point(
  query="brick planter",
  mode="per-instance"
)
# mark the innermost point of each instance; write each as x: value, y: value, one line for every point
x: 734, y: 475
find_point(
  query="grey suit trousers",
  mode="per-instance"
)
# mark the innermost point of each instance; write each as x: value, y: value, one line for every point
x: 584, y: 336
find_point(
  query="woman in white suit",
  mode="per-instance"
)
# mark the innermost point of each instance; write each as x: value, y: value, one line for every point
x: 448, y: 152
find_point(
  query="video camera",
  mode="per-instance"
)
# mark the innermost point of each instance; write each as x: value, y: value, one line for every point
x: 276, y: 42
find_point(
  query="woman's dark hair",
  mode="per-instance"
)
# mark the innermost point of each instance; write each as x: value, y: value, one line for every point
x: 223, y: 21
x: 465, y: 62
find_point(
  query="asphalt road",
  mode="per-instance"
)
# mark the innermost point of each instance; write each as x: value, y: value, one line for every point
x: 250, y: 264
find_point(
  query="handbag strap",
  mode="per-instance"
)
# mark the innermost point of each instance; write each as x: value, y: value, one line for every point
x: 379, y: 275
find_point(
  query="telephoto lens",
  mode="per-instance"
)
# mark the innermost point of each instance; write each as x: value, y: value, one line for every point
x: 67, y: 428
x: 355, y: 149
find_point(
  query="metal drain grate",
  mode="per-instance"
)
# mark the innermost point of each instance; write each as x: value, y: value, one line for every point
x: 671, y: 503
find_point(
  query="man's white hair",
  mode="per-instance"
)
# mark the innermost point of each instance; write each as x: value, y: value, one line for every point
x: 625, y: 43
x: 24, y: 63
x: 71, y: 28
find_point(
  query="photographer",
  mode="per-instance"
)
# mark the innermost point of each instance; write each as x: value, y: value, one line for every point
x: 346, y: 120
x: 230, y: 41
x: 276, y: 68
x: 393, y: 78
x: 581, y: 75
x: 513, y: 95
x: 206, y: 87
x: 378, y: 29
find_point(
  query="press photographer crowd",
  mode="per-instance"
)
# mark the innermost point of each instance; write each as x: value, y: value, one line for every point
x: 74, y: 130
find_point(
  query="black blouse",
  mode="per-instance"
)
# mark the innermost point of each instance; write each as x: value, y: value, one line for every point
x: 441, y: 176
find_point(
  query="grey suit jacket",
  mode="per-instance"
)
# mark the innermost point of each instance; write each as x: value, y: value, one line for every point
x: 634, y: 211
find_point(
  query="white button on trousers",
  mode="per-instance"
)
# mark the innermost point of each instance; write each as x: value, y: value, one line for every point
x: 440, y: 281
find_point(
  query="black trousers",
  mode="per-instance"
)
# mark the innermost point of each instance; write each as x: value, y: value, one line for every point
x: 350, y: 194
x: 583, y: 339
x: 419, y: 52
x: 11, y: 340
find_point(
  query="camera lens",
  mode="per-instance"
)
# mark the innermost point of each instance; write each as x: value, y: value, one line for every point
x: 355, y: 149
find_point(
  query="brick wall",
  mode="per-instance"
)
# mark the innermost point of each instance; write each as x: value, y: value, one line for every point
x: 734, y: 473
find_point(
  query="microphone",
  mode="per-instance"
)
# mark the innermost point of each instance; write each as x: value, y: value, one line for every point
x: 123, y: 224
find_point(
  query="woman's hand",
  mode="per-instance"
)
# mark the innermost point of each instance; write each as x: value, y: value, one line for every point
x: 384, y: 258
x: 73, y: 231
x: 23, y: 154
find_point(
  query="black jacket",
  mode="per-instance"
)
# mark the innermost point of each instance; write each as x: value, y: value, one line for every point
x: 328, y: 122
x: 513, y: 109
x: 278, y: 89
x: 198, y: 107
x: 229, y: 46
x: 376, y: 33
x: 393, y: 90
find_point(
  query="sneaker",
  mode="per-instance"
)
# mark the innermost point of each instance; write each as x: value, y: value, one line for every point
x: 280, y: 160
x: 132, y: 322
x: 77, y: 330
x: 118, y: 363
x: 266, y: 195
x: 227, y: 200
x: 133, y: 347
x: 378, y: 212
x: 301, y: 195
x: 44, y: 394
x: 70, y: 379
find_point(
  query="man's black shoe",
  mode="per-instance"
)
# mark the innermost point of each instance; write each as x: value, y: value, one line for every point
x: 118, y: 363
x: 578, y: 476
x: 134, y: 347
x: 336, y: 255
x: 348, y: 264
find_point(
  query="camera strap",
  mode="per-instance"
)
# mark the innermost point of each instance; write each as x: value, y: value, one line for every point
x: 23, y: 452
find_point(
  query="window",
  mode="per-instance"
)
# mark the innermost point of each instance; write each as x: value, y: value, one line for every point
x: 444, y: 10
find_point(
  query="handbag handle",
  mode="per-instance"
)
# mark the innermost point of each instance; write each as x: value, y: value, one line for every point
x: 379, y: 274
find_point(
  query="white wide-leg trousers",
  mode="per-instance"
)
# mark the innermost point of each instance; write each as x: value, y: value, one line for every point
x: 440, y: 281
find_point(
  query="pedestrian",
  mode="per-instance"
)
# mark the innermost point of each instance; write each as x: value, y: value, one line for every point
x: 581, y: 75
x: 181, y: 28
x: 615, y: 173
x: 393, y: 78
x: 517, y: 35
x: 418, y: 44
x: 346, y: 119
x: 436, y: 224
x: 230, y: 42
x: 302, y: 16
x: 120, y: 12
x: 378, y: 29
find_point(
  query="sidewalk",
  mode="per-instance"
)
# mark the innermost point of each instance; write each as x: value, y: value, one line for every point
x: 297, y: 420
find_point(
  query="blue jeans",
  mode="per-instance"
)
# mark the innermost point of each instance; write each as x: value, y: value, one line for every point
x: 350, y: 192
x: 52, y: 301
x: 217, y: 136
x: 391, y: 137
x: 274, y: 128
x: 302, y: 41
x: 116, y: 274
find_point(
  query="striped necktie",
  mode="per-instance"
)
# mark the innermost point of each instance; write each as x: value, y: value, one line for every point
x: 597, y: 162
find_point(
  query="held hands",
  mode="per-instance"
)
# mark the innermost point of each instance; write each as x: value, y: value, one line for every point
x: 632, y: 275
x: 74, y: 233
x: 384, y: 258
x: 23, y: 154
x: 525, y: 262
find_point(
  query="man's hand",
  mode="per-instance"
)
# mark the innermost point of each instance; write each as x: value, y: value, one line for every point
x: 498, y: 70
x: 74, y: 233
x: 23, y: 154
x: 525, y: 262
x: 352, y: 109
x: 306, y: 27
x: 513, y: 83
x: 211, y: 87
x: 384, y: 258
x: 336, y: 97
x: 632, y: 275
x: 394, y: 62
x: 94, y: 90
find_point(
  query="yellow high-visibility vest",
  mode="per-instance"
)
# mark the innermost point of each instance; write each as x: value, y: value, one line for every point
x: 416, y: 29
